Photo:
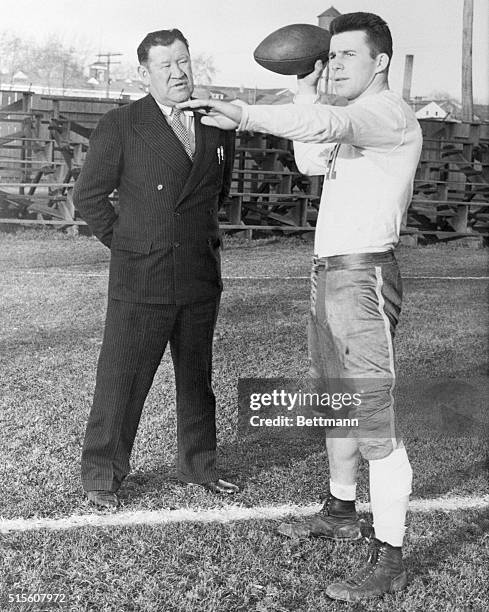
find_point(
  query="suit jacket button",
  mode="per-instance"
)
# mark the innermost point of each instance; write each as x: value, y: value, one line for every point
x: 176, y: 245
x: 177, y: 214
x: 160, y: 187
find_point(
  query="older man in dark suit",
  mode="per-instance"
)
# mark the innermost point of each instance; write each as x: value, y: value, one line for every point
x: 171, y: 173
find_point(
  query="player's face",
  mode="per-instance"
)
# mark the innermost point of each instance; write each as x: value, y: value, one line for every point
x: 168, y: 73
x: 352, y: 67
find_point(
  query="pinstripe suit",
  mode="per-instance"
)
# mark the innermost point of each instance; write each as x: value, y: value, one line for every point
x: 164, y: 282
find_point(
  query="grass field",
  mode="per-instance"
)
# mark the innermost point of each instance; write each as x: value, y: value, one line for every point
x: 53, y: 295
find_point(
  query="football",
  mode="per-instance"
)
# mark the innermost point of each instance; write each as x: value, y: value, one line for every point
x: 293, y: 49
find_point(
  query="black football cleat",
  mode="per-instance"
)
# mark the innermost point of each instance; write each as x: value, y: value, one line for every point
x: 383, y: 573
x: 337, y: 520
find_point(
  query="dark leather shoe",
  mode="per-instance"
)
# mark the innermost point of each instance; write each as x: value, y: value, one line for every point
x: 220, y: 487
x: 103, y: 499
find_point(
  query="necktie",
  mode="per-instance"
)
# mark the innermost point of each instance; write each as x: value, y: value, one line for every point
x: 180, y: 131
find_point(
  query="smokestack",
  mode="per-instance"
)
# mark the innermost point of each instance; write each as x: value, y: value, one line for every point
x: 408, y: 78
x: 324, y: 21
x: 467, y: 96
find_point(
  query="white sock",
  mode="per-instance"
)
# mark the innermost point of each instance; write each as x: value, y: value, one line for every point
x: 390, y: 485
x: 342, y: 491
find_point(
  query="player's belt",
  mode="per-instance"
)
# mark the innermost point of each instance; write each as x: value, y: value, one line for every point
x: 352, y: 260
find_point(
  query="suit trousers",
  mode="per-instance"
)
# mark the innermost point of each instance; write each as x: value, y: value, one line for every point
x: 135, y: 339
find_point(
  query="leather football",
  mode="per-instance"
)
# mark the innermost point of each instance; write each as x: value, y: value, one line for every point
x: 293, y: 49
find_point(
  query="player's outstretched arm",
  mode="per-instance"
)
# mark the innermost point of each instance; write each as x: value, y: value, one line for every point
x: 227, y: 115
x: 219, y: 114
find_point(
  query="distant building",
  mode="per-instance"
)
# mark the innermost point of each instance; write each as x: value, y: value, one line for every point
x: 98, y: 71
x: 432, y: 110
x: 250, y: 95
x: 20, y: 77
x: 447, y: 110
x: 324, y: 19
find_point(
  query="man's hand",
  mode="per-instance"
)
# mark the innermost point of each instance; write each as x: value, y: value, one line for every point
x: 223, y: 115
x: 308, y: 83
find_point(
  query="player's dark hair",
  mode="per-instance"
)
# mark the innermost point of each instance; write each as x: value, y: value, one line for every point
x: 379, y: 37
x: 162, y: 38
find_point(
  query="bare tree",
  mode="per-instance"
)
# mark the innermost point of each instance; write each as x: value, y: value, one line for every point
x: 203, y: 69
x: 12, y: 51
x: 50, y: 62
x: 440, y: 94
x: 57, y: 65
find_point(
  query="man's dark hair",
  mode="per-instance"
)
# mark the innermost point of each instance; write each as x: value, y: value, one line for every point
x: 162, y: 38
x: 379, y: 37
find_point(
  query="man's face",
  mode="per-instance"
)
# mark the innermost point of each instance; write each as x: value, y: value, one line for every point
x: 168, y: 73
x: 351, y: 65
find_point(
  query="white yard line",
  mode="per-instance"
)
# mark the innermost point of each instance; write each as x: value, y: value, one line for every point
x: 308, y: 277
x: 252, y: 278
x: 224, y: 514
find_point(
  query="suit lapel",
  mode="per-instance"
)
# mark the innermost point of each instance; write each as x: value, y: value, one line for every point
x: 153, y: 128
x: 206, y: 143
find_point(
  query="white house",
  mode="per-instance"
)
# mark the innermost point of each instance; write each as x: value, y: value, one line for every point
x: 432, y: 110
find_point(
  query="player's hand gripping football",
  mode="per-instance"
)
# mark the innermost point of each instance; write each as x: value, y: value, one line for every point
x: 308, y: 83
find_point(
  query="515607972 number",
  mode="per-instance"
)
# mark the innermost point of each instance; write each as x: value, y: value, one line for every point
x: 20, y: 597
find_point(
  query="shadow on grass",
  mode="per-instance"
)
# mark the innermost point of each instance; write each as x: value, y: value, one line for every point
x: 469, y: 528
x: 239, y: 462
x: 437, y: 486
x: 138, y: 484
x: 65, y: 339
x: 247, y: 458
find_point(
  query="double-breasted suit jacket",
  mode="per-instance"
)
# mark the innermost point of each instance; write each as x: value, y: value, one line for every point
x: 164, y: 242
x: 164, y: 282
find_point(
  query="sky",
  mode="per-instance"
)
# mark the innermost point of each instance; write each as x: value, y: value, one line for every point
x: 230, y: 30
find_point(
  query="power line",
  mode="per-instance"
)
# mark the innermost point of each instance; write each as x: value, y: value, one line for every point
x: 108, y: 62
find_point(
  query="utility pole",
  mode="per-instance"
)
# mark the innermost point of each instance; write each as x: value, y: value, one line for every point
x: 108, y: 62
x: 467, y: 95
x: 63, y: 79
